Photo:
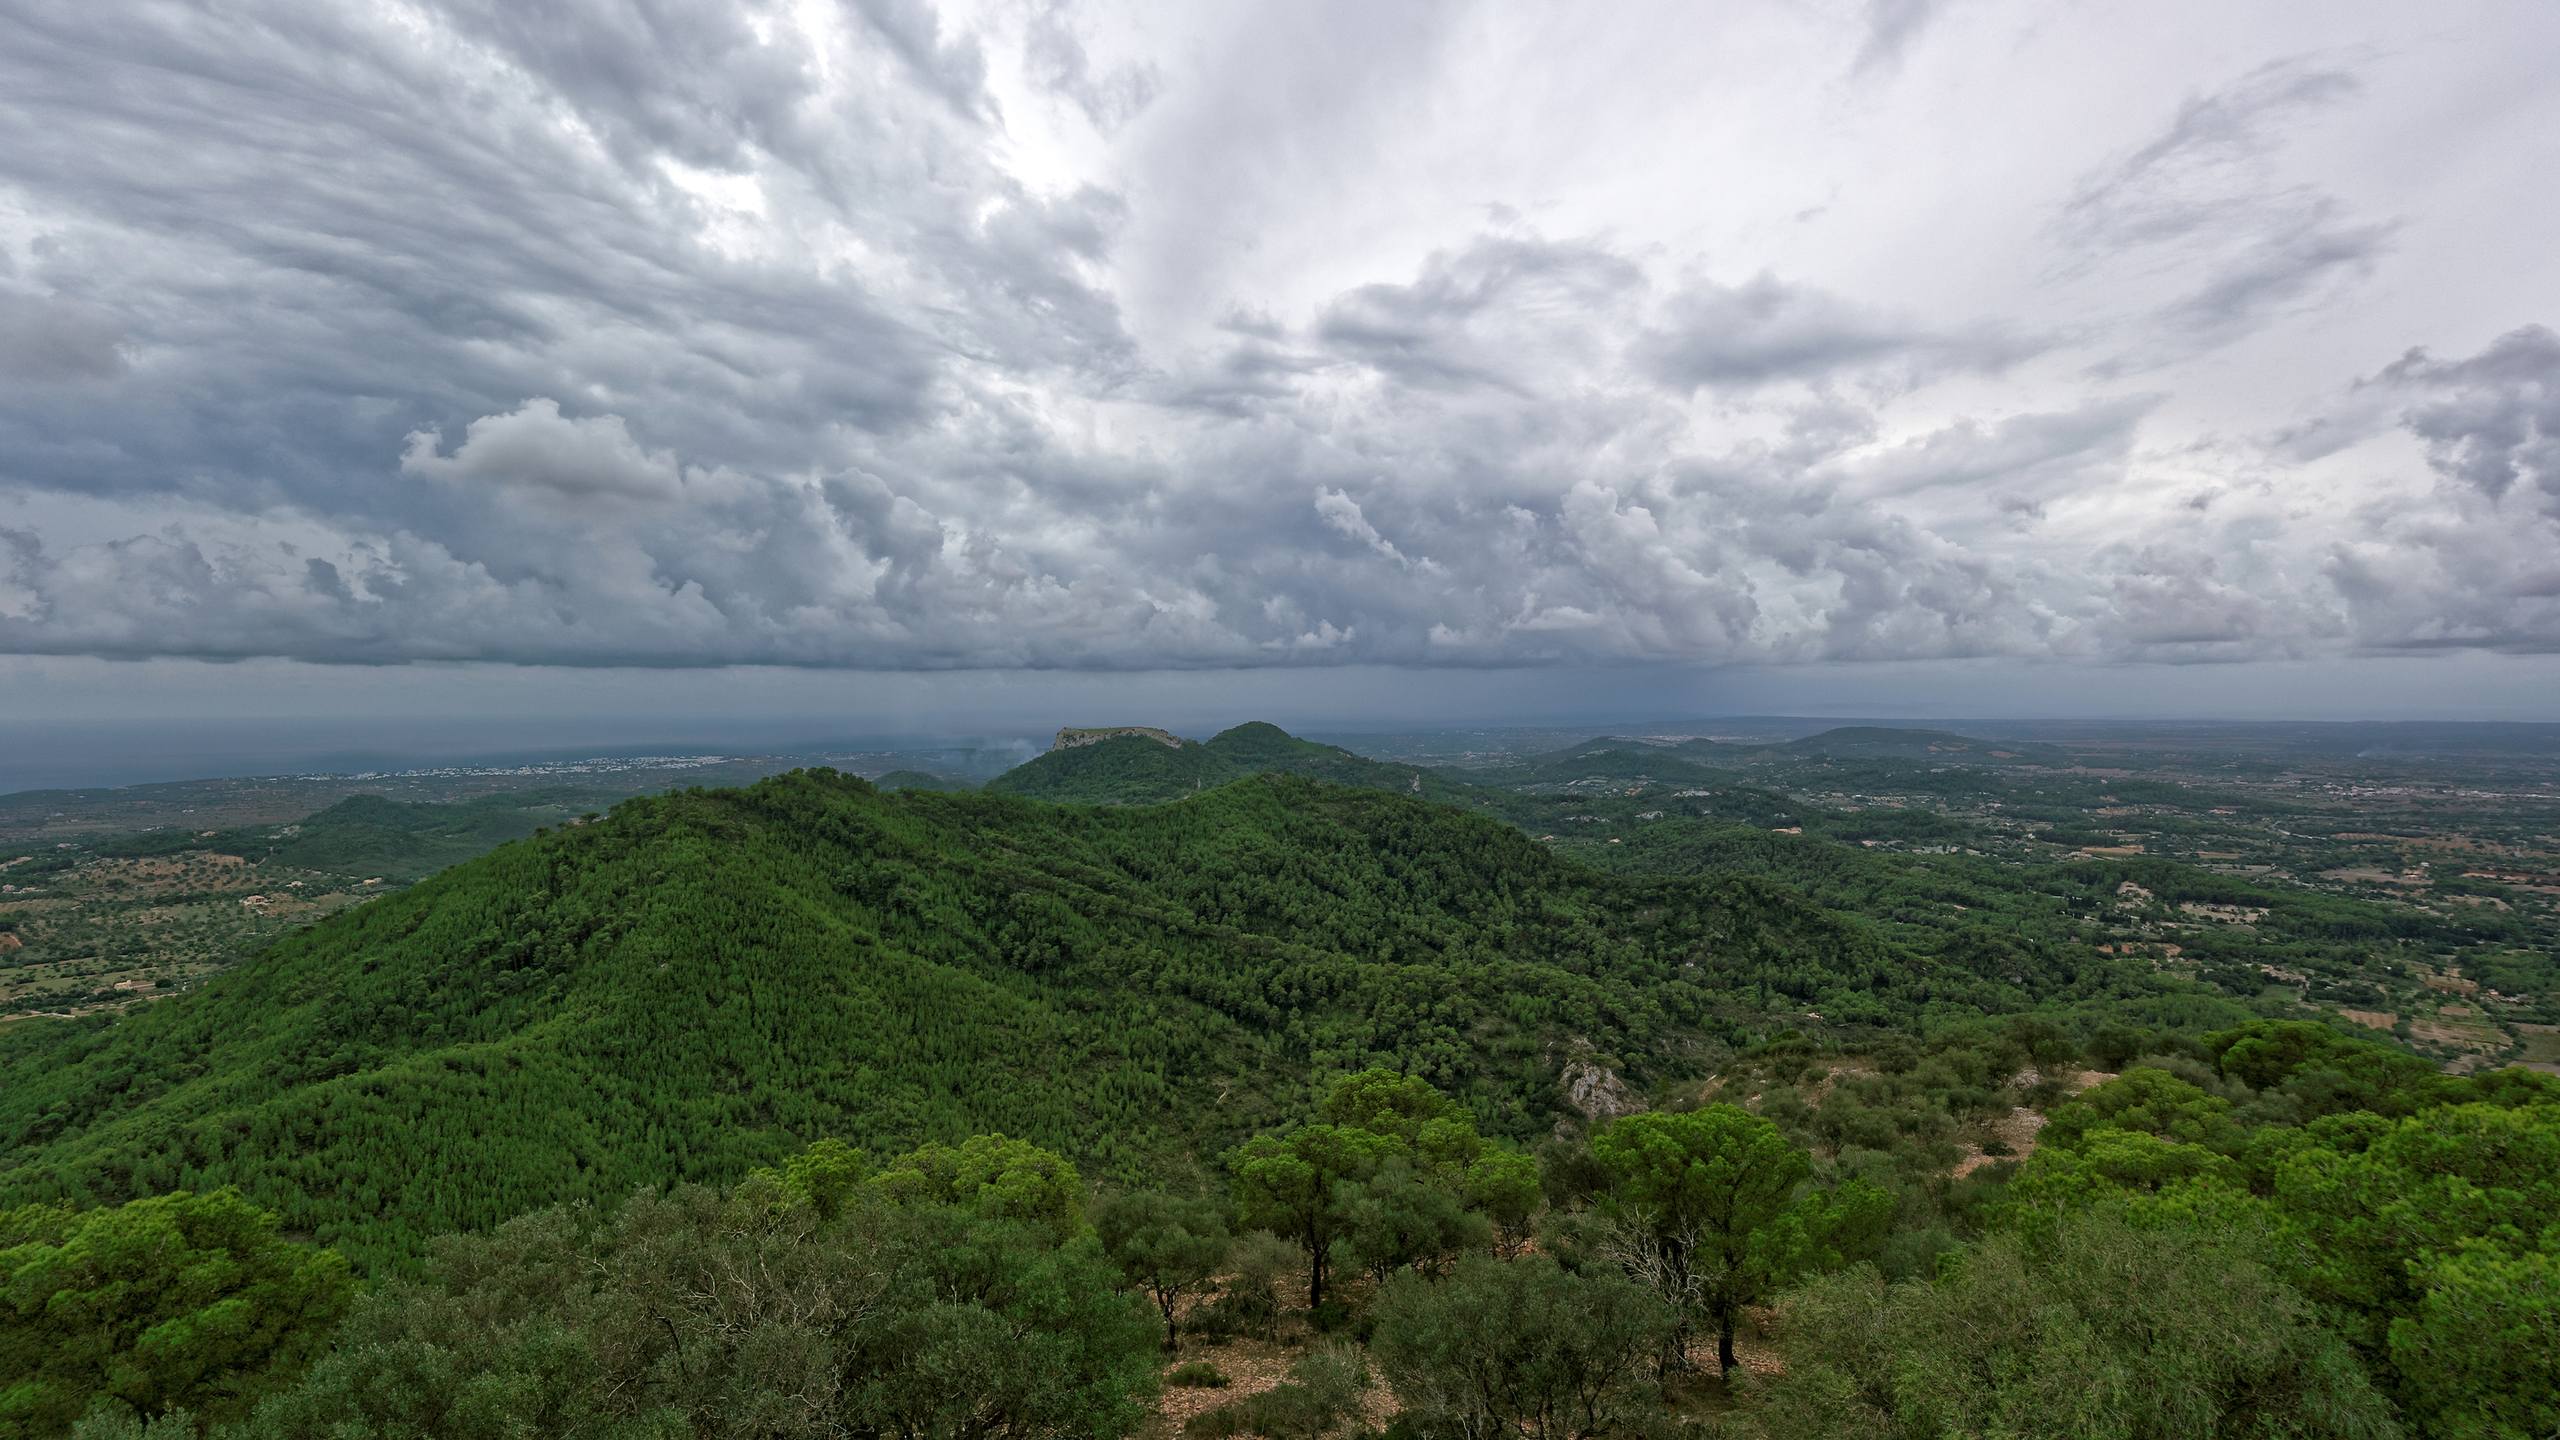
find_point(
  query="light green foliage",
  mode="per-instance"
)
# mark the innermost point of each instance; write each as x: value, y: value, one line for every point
x: 2151, y: 1101
x: 1522, y: 1347
x: 1712, y: 1210
x: 828, y: 1176
x: 1165, y: 1245
x: 692, y: 1315
x: 992, y: 1176
x: 2097, y: 1328
x: 1401, y: 1107
x: 2101, y: 1163
x: 181, y: 1300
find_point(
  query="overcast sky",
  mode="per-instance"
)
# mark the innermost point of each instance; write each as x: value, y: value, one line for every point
x: 1400, y: 358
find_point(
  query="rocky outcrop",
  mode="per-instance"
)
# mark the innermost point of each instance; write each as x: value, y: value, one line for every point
x: 1071, y: 736
x: 1596, y: 1092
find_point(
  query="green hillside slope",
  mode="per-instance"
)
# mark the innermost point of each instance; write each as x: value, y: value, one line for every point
x: 703, y: 981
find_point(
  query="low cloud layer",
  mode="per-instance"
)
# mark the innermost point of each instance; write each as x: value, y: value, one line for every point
x: 1027, y: 335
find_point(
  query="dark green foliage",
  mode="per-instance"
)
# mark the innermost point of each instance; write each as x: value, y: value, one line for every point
x: 2480, y: 1357
x: 1321, y: 1398
x: 1711, y: 1209
x: 1405, y: 1217
x: 1249, y: 1295
x: 1136, y: 770
x: 2321, y: 1070
x: 697, y: 1315
x: 371, y: 835
x: 702, y: 982
x: 2099, y: 1328
x: 175, y: 1302
x: 918, y: 780
x: 1196, y: 1375
x: 2413, y: 1209
x: 1393, y: 1176
x: 1521, y: 1347
x: 2392, y: 1212
x: 1167, y: 1246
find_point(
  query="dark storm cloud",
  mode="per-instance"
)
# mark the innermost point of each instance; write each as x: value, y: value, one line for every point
x: 43, y: 339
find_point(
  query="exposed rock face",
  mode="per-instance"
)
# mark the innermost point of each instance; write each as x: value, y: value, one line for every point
x: 1069, y: 737
x: 1595, y: 1092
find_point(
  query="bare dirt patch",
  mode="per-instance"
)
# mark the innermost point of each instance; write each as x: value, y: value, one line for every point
x: 2016, y: 1132
x: 1251, y: 1367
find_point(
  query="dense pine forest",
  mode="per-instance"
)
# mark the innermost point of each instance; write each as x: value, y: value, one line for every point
x: 704, y: 981
x: 1288, y: 1106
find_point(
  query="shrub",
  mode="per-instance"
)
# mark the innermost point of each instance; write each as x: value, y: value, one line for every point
x: 1320, y: 1399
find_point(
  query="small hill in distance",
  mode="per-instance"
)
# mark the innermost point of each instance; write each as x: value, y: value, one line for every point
x: 1141, y: 766
x: 399, y: 840
x: 1611, y: 760
x: 1878, y: 742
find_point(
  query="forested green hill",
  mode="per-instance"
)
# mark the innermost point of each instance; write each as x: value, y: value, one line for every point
x: 704, y: 981
x: 371, y: 835
x: 1134, y: 770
